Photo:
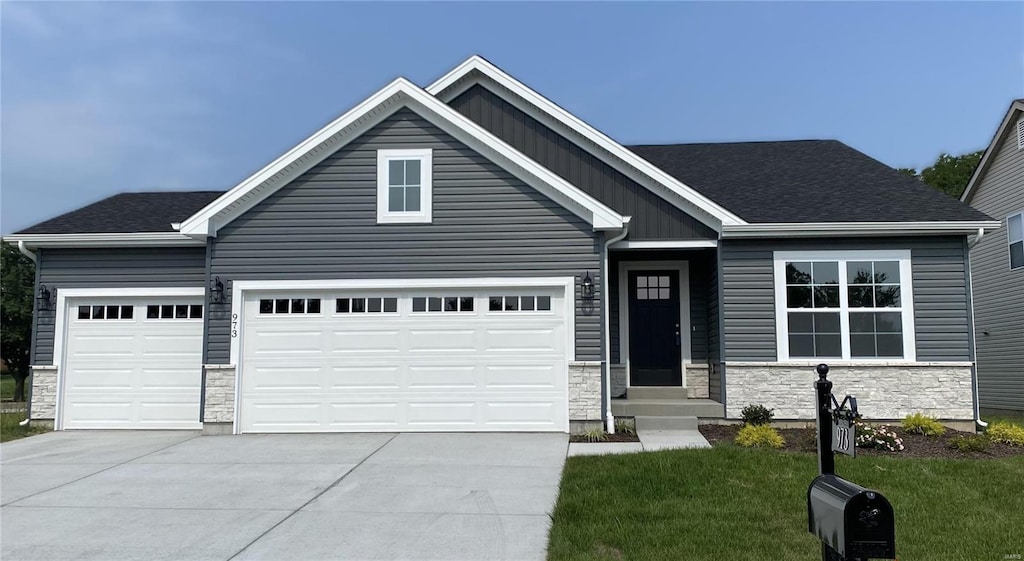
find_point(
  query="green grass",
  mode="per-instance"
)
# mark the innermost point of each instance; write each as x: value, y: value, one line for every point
x: 6, y: 387
x: 9, y: 429
x: 734, y: 503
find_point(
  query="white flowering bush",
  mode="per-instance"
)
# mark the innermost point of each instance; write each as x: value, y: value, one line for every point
x: 878, y: 437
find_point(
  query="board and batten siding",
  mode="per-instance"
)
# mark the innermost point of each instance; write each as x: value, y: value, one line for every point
x: 941, y: 305
x: 110, y: 268
x: 998, y: 291
x: 653, y: 217
x: 486, y: 223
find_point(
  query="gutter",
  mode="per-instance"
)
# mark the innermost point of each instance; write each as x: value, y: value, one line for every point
x: 24, y: 250
x: 819, y: 229
x: 605, y: 306
x: 974, y: 335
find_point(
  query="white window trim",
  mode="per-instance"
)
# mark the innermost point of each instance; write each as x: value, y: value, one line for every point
x: 425, y: 214
x: 1009, y: 238
x: 906, y: 297
x: 683, y: 267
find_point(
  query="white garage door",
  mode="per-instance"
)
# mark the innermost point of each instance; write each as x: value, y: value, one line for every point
x: 133, y: 363
x: 453, y: 360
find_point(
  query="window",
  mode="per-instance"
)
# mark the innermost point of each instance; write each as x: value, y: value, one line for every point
x: 1015, y: 237
x: 653, y: 288
x: 281, y: 306
x: 520, y: 303
x: 404, y: 186
x: 442, y: 304
x: 847, y: 305
x: 174, y: 311
x: 366, y: 305
x: 106, y: 312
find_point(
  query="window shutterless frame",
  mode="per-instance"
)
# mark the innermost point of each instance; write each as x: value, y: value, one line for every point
x: 390, y: 162
x: 1015, y: 241
x: 843, y: 257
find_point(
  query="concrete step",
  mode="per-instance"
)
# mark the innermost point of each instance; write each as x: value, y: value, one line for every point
x: 666, y: 423
x: 667, y: 408
x: 656, y: 393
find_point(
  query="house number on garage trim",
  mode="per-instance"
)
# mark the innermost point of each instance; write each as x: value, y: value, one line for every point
x: 234, y: 325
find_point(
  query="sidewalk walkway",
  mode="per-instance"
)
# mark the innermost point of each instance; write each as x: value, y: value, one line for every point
x: 650, y: 440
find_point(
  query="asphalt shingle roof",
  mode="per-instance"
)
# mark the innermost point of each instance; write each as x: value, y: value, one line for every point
x: 804, y: 181
x: 128, y: 212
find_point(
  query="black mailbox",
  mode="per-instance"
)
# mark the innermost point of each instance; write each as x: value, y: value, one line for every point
x: 856, y: 522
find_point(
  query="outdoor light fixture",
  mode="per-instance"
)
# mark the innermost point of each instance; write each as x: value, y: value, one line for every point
x: 44, y: 298
x: 587, y: 287
x: 216, y: 290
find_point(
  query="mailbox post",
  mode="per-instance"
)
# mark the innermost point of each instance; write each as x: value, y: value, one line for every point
x: 853, y: 523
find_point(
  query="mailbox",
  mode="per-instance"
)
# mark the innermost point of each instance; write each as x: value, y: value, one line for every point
x: 856, y: 522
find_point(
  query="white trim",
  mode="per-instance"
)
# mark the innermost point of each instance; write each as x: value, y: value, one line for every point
x: 397, y: 94
x: 1010, y: 241
x: 633, y: 166
x: 1020, y: 133
x: 240, y: 287
x: 61, y: 325
x: 686, y: 335
x: 850, y: 363
x: 820, y: 229
x: 119, y: 239
x: 426, y: 159
x: 906, y: 297
x: 664, y: 244
x: 986, y: 158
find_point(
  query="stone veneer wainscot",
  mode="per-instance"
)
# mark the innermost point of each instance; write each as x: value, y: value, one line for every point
x: 585, y: 391
x: 44, y: 392
x: 219, y: 403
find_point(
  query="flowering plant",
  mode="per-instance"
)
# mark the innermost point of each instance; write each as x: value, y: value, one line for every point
x: 878, y: 437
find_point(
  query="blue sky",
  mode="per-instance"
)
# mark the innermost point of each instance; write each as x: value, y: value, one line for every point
x: 108, y: 97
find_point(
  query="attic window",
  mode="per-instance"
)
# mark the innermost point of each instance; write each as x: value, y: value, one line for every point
x: 1020, y: 134
x: 404, y: 185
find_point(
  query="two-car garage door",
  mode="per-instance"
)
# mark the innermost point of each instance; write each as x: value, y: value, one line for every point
x: 404, y: 360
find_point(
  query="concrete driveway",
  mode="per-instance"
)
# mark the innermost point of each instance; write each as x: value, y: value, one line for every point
x: 174, y: 495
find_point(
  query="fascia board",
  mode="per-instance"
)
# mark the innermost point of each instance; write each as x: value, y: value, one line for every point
x: 1011, y: 117
x: 818, y: 229
x: 104, y: 239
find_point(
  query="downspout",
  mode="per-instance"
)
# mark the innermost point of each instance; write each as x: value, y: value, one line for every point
x: 24, y: 250
x: 605, y: 306
x: 974, y: 335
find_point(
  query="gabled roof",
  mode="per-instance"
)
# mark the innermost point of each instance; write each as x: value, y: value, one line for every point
x: 477, y: 69
x: 399, y: 93
x: 1012, y: 115
x: 805, y: 181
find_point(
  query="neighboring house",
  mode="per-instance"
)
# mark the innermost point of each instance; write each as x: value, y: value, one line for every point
x: 997, y: 189
x: 472, y: 257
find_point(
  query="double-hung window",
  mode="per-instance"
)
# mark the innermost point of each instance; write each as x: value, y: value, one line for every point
x: 404, y: 186
x: 844, y: 305
x: 1015, y: 238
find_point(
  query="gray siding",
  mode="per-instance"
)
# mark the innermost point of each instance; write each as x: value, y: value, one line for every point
x: 486, y: 222
x: 714, y: 330
x: 939, y: 284
x: 998, y: 291
x: 653, y: 217
x: 111, y: 268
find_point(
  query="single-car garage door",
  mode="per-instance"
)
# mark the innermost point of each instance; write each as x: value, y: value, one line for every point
x: 451, y: 360
x: 133, y: 363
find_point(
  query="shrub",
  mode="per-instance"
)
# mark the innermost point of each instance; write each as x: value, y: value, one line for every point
x: 920, y: 423
x: 759, y: 436
x: 595, y: 434
x: 1007, y: 433
x: 625, y: 427
x: 878, y: 437
x: 757, y: 414
x: 970, y: 443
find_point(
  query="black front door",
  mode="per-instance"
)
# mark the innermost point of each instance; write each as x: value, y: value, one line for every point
x: 654, y: 336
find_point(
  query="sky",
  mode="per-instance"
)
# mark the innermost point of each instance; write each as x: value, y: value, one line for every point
x: 101, y: 98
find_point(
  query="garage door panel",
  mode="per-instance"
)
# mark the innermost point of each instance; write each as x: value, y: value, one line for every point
x: 380, y: 415
x: 427, y: 340
x: 540, y: 414
x: 364, y: 341
x: 442, y: 414
x: 292, y: 415
x: 521, y: 376
x: 356, y: 377
x: 523, y: 340
x: 285, y: 377
x: 279, y: 340
x: 442, y: 376
x: 171, y: 379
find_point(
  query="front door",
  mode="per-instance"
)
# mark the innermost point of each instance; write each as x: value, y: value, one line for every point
x: 654, y: 335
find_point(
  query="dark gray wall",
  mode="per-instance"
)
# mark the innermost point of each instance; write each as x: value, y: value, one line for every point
x: 653, y: 217
x: 940, y: 293
x: 111, y: 268
x: 486, y: 222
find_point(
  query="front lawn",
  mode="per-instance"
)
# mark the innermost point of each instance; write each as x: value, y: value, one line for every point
x: 6, y: 387
x: 10, y: 430
x: 729, y: 502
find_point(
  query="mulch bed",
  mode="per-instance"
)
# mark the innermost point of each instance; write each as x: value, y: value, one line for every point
x: 617, y: 437
x: 916, y: 445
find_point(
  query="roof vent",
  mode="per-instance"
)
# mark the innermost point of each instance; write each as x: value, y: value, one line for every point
x: 1020, y: 134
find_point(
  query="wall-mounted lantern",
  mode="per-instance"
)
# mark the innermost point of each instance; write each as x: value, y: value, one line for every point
x: 216, y: 291
x: 587, y: 287
x: 45, y: 297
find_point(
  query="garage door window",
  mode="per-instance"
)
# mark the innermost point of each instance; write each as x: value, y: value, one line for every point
x: 174, y: 311
x: 372, y: 305
x: 106, y: 312
x: 520, y: 303
x: 442, y: 304
x: 278, y: 306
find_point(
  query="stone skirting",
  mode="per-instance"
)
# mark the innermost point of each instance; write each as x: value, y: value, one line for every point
x: 618, y: 380
x: 44, y: 392
x: 697, y: 382
x: 883, y: 390
x: 585, y: 391
x: 219, y: 400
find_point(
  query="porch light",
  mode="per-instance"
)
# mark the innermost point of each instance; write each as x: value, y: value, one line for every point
x: 216, y: 290
x: 44, y: 298
x: 587, y: 287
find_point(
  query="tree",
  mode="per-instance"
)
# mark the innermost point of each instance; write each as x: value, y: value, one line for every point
x: 949, y: 174
x: 17, y: 282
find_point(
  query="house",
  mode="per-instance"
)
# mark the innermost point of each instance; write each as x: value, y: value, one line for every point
x: 472, y: 257
x: 997, y: 189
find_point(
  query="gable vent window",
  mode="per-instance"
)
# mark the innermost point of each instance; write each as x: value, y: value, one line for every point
x: 404, y: 186
x: 279, y: 306
x: 1015, y: 235
x: 174, y: 311
x: 1020, y: 134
